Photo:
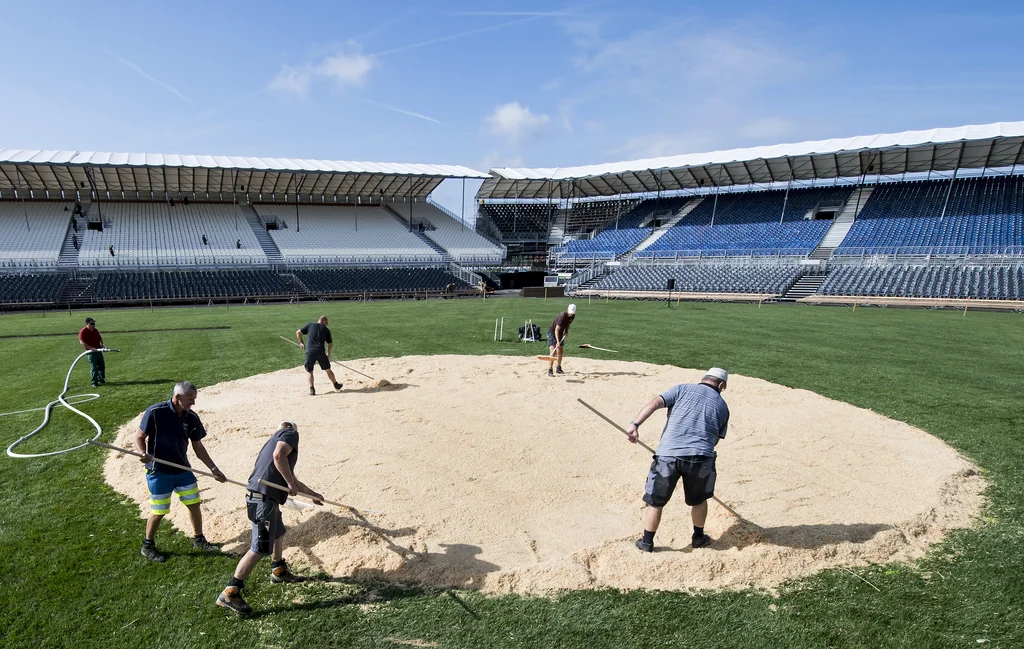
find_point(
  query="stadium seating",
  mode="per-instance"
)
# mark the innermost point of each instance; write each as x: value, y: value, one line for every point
x: 625, y: 233
x: 462, y: 243
x: 31, y: 233
x: 519, y: 219
x: 983, y: 216
x: 703, y: 278
x: 377, y: 280
x: 329, y: 233
x: 982, y: 282
x: 157, y: 234
x: 170, y: 285
x: 42, y: 288
x: 756, y: 223
x: 587, y: 215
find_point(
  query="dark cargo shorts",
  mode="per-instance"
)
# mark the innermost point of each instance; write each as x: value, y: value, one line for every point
x: 267, y: 525
x: 314, y: 357
x: 552, y: 341
x: 698, y: 474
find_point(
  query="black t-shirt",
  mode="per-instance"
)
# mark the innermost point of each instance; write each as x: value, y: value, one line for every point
x: 317, y: 335
x: 264, y: 468
x: 562, y: 321
x: 168, y: 435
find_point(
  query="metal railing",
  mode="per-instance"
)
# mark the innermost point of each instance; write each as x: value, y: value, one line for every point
x: 585, y: 275
x: 468, y: 276
x: 749, y: 253
x: 935, y: 251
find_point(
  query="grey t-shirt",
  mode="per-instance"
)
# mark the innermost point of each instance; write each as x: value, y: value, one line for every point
x: 318, y: 335
x: 697, y: 419
x: 264, y: 468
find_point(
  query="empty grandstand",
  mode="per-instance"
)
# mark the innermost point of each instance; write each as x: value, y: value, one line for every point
x: 31, y: 289
x: 189, y: 285
x: 995, y: 282
x: 378, y: 281
x: 702, y: 278
x: 317, y: 234
x: 168, y: 234
x: 32, y: 232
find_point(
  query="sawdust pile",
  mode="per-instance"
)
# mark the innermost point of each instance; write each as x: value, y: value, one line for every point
x: 489, y: 475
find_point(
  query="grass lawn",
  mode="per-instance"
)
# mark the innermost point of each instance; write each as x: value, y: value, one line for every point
x: 71, y: 575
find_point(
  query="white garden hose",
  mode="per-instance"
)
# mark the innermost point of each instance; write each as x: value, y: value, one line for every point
x: 49, y: 407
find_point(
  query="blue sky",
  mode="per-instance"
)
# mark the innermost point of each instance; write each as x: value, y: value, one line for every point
x: 497, y: 83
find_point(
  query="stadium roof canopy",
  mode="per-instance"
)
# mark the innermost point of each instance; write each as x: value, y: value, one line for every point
x: 997, y: 145
x: 137, y: 175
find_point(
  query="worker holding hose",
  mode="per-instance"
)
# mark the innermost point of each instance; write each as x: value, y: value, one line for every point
x: 164, y: 434
x: 92, y: 341
x: 697, y: 418
x: 275, y: 464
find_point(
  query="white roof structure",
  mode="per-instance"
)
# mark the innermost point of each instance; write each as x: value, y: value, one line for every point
x: 136, y: 174
x: 942, y: 149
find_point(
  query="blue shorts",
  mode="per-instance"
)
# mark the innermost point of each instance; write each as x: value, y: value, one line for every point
x: 162, y: 485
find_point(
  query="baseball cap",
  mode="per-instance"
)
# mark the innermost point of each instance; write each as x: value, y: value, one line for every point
x: 571, y: 309
x: 718, y: 373
x: 90, y: 321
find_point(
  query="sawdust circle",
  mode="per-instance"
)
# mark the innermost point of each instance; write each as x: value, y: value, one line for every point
x: 488, y: 474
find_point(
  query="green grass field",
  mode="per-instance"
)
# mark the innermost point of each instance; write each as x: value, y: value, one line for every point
x: 71, y: 575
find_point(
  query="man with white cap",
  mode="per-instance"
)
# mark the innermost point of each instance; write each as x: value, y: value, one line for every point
x: 556, y: 337
x: 697, y: 418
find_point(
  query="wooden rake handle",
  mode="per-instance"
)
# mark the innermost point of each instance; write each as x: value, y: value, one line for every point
x: 111, y: 447
x: 624, y: 432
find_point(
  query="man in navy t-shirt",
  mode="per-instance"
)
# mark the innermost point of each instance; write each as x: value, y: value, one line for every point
x: 697, y: 418
x: 164, y: 434
x: 275, y: 464
x: 319, y: 337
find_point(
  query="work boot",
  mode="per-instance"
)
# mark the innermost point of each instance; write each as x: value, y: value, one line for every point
x: 312, y: 391
x: 231, y: 598
x: 558, y: 370
x: 644, y: 546
x: 200, y: 543
x: 337, y: 386
x: 551, y: 373
x: 281, y: 575
x: 150, y: 552
x: 701, y: 541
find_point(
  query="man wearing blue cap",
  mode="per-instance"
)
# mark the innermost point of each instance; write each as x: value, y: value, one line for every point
x: 697, y: 418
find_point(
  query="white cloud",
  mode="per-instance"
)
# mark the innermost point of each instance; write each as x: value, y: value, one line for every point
x: 348, y: 67
x: 291, y: 81
x: 515, y: 122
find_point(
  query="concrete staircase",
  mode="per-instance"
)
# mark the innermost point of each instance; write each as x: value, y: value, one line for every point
x: 297, y: 286
x: 660, y: 232
x: 270, y: 248
x: 78, y: 290
x: 842, y: 224
x: 68, y: 257
x: 445, y: 255
x: 806, y: 285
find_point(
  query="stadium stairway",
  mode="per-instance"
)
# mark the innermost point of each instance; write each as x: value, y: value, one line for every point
x: 659, y: 232
x: 842, y: 224
x: 301, y: 290
x: 804, y: 286
x: 270, y: 248
x: 422, y: 237
x: 68, y: 257
x: 78, y: 290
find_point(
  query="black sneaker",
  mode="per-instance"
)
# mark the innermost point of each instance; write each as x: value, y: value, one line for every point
x: 337, y: 386
x: 644, y: 546
x: 231, y: 599
x: 558, y: 370
x: 281, y: 575
x: 701, y: 541
x: 150, y: 552
x: 312, y: 391
x: 200, y: 543
x: 550, y: 373
x: 95, y: 384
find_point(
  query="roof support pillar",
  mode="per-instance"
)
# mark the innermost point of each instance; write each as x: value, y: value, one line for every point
x: 949, y: 190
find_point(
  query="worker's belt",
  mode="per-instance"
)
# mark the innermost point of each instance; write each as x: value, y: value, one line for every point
x: 255, y: 495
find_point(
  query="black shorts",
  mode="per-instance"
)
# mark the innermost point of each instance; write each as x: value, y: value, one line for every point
x: 267, y: 525
x: 317, y: 356
x: 552, y: 341
x: 698, y: 474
